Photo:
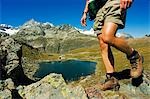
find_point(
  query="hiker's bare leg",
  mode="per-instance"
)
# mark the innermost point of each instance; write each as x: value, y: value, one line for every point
x: 107, y: 56
x: 108, y: 36
x: 110, y: 56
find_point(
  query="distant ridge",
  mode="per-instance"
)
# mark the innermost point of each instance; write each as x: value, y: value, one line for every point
x: 11, y: 30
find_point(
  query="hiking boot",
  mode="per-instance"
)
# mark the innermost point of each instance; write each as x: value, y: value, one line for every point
x: 111, y: 83
x: 136, y: 61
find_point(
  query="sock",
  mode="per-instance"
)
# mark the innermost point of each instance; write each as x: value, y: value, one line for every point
x: 134, y: 53
x: 109, y: 75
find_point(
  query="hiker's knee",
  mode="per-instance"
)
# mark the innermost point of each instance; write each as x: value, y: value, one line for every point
x: 109, y: 39
x: 103, y: 45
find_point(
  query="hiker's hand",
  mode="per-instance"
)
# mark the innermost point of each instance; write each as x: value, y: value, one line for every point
x: 124, y: 4
x: 83, y: 19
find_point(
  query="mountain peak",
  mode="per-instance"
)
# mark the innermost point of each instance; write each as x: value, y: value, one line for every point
x: 33, y: 22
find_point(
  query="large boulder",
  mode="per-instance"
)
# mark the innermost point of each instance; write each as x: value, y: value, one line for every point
x: 52, y: 86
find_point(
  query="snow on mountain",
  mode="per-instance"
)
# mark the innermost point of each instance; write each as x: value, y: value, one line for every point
x: 47, y: 23
x: 8, y: 29
x: 32, y: 22
x: 125, y: 35
x: 91, y: 32
x: 86, y: 32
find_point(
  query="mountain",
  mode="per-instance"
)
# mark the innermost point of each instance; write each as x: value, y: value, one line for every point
x: 49, y: 26
x: 87, y: 32
x: 125, y: 35
x: 91, y: 32
x: 50, y: 38
x: 8, y: 29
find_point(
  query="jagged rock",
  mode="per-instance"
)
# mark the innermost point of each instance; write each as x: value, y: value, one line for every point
x: 52, y: 86
x: 10, y: 58
x: 11, y: 61
x: 10, y: 45
x: 6, y: 86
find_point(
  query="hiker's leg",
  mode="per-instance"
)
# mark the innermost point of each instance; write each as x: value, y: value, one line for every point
x: 108, y: 36
x: 107, y: 56
x: 136, y: 60
x: 110, y: 56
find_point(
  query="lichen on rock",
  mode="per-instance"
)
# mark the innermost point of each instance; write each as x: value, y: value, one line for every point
x: 51, y: 86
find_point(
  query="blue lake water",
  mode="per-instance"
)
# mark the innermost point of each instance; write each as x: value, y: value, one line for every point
x: 70, y: 69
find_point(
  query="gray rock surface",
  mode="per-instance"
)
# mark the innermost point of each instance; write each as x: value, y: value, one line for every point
x: 9, y: 54
x: 6, y: 86
x: 52, y: 86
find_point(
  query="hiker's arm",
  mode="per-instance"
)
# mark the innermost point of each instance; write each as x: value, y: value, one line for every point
x: 86, y: 7
x: 84, y: 16
x: 124, y: 4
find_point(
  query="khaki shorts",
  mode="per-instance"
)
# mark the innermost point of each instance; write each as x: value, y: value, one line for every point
x: 110, y: 12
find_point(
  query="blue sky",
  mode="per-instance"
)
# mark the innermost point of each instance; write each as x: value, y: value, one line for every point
x: 17, y: 12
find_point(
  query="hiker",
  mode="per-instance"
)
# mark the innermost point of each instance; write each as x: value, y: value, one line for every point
x: 109, y: 17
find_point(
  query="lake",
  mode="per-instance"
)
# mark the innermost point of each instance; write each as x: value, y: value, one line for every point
x: 70, y: 69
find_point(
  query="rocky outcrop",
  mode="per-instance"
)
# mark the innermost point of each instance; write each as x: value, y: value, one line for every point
x: 9, y: 57
x: 6, y: 86
x: 52, y: 86
x: 11, y: 49
x: 11, y: 61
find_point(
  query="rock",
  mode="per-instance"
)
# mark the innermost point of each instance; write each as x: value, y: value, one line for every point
x: 5, y: 94
x: 10, y: 45
x: 11, y: 61
x: 10, y: 58
x: 52, y: 86
x: 3, y: 34
x: 6, y: 86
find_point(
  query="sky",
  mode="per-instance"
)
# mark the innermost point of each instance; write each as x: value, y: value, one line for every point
x: 17, y: 12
